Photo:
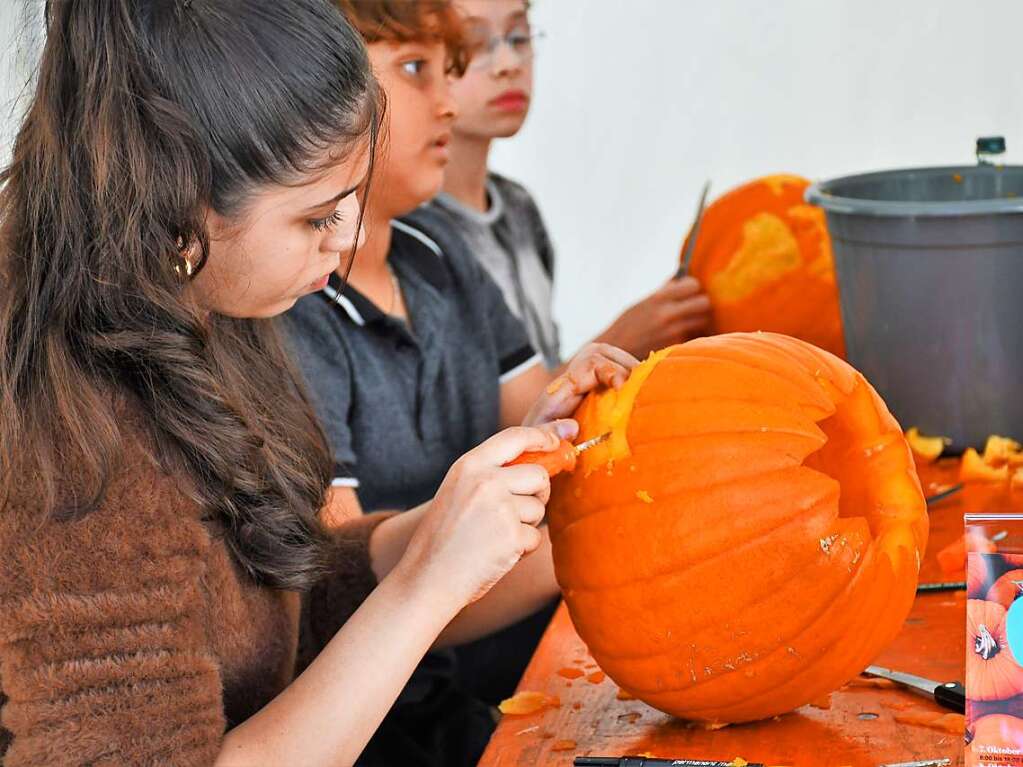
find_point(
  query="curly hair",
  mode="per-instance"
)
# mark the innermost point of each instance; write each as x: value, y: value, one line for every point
x: 402, y: 21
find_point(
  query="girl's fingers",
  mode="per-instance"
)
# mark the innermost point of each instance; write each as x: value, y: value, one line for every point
x: 526, y: 479
x: 530, y: 538
x: 532, y: 510
x: 564, y: 428
x: 507, y: 445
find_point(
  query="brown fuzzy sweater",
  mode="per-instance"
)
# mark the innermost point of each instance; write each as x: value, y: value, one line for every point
x: 130, y: 636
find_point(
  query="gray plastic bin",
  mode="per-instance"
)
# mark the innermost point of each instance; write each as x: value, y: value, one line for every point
x: 930, y: 273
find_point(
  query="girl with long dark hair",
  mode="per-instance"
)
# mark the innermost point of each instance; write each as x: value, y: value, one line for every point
x: 186, y: 170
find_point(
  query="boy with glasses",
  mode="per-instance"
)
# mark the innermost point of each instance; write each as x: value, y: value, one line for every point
x: 498, y: 216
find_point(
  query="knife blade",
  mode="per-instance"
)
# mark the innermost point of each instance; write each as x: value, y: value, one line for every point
x: 950, y: 695
x: 694, y: 232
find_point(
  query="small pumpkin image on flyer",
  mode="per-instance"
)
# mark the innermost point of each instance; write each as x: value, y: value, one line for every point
x: 994, y: 642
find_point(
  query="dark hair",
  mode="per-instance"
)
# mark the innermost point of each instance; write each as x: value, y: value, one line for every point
x: 145, y: 114
x: 402, y: 21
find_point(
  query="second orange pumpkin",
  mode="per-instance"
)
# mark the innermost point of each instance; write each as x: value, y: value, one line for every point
x: 764, y: 257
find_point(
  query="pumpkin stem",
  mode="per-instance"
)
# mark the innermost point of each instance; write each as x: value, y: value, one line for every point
x: 985, y: 645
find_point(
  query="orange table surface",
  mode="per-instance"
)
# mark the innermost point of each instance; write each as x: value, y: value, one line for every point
x: 854, y: 726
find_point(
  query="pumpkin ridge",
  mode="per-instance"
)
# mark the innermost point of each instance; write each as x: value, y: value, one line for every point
x: 782, y: 345
x: 821, y: 400
x: 766, y: 585
x: 771, y: 658
x: 811, y: 669
x: 725, y: 433
x: 595, y: 511
x: 774, y: 344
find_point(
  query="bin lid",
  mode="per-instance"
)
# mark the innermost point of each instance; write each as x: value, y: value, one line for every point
x: 967, y: 190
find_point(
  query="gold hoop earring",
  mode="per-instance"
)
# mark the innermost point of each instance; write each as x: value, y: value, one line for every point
x: 186, y: 264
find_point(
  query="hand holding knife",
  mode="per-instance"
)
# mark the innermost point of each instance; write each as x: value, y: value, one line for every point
x: 562, y: 458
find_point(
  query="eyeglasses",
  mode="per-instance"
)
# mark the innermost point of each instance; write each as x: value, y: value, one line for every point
x: 522, y: 42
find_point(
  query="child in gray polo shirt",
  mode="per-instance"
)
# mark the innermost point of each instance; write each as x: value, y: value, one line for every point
x: 498, y: 217
x: 413, y: 358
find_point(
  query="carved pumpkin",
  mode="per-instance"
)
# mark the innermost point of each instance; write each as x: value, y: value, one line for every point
x: 764, y: 257
x: 992, y: 672
x: 749, y: 537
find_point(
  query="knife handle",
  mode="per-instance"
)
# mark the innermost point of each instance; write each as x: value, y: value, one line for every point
x: 951, y: 695
x: 562, y: 458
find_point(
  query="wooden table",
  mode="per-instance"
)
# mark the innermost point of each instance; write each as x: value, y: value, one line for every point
x: 854, y: 727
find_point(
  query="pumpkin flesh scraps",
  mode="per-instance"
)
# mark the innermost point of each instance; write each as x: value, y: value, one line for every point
x: 928, y: 448
x: 998, y: 451
x: 768, y: 457
x: 974, y: 469
x: 527, y: 702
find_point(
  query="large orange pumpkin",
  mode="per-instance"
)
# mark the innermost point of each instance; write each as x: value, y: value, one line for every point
x: 749, y: 538
x: 764, y: 258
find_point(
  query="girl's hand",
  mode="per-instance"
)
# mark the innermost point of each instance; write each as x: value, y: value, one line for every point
x: 595, y: 365
x: 484, y: 516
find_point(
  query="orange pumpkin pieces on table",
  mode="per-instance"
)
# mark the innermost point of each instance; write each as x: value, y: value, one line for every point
x: 998, y: 451
x: 928, y: 448
x: 528, y: 702
x: 764, y: 257
x: 783, y: 549
x: 973, y: 468
x: 991, y: 669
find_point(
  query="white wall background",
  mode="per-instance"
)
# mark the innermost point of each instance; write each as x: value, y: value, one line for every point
x: 639, y: 101
x: 20, y: 41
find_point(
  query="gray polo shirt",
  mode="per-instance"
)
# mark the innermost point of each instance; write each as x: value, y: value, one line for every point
x: 510, y: 240
x: 399, y: 404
